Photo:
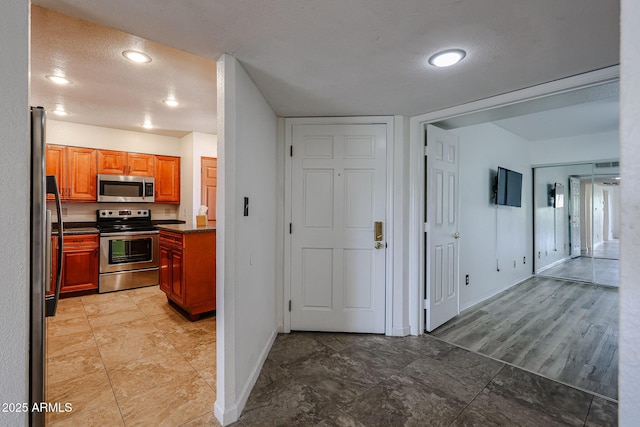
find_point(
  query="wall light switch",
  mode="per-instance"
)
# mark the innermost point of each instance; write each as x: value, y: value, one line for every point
x: 246, y: 206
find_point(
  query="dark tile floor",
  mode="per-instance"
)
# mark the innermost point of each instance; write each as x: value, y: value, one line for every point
x: 325, y: 379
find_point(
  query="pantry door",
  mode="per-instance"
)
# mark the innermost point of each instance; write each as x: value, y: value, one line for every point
x: 338, y: 193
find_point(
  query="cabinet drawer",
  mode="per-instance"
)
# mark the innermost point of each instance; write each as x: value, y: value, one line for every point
x: 171, y: 239
x: 81, y: 240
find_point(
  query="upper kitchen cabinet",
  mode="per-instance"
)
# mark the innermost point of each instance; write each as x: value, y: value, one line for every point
x: 75, y: 171
x: 167, y: 179
x: 123, y: 163
x: 81, y: 174
x: 56, y: 165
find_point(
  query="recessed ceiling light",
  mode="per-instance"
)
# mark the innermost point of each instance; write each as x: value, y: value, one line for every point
x: 171, y: 102
x: 61, y: 80
x: 446, y: 58
x: 60, y: 111
x: 135, y: 56
x: 617, y: 177
x: 147, y: 124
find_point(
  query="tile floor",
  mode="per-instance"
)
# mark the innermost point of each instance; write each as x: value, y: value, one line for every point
x: 129, y: 359
x: 326, y: 379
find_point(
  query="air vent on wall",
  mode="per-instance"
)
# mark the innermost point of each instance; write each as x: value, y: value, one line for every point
x: 607, y: 165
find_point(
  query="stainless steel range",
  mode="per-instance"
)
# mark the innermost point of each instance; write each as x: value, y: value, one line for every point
x: 129, y: 249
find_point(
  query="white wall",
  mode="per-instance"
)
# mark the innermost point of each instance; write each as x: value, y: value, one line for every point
x: 492, y: 235
x: 629, y: 375
x: 192, y: 147
x: 246, y: 273
x: 79, y: 135
x: 576, y: 149
x: 14, y: 214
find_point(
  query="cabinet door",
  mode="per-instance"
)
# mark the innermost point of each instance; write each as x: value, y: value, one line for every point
x: 177, y: 284
x: 81, y: 174
x: 166, y: 269
x: 80, y: 269
x: 56, y: 165
x: 112, y: 162
x: 167, y: 179
x: 140, y: 164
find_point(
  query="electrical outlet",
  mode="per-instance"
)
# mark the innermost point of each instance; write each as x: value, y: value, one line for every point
x: 538, y: 254
x: 524, y: 259
x: 466, y: 280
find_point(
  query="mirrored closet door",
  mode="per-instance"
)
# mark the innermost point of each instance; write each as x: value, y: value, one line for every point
x: 576, y: 212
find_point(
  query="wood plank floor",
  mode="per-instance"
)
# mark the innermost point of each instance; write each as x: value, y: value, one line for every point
x: 563, y: 330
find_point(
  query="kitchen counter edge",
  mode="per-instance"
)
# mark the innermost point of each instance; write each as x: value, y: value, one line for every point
x: 187, y: 228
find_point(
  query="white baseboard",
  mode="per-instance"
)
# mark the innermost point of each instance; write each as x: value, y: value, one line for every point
x: 401, y: 332
x: 553, y: 264
x: 494, y: 293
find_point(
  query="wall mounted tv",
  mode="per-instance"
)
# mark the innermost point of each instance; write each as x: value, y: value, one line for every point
x: 508, y: 188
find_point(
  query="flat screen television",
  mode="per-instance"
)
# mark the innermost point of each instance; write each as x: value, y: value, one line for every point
x: 508, y: 188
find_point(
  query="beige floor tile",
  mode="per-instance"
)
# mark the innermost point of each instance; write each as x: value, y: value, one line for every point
x: 209, y: 374
x: 72, y: 365
x: 63, y: 344
x: 117, y: 351
x: 104, y: 416
x: 84, y: 393
x: 69, y: 307
x: 184, y: 340
x: 171, y: 404
x: 120, y: 317
x: 142, y: 293
x: 169, y: 321
x: 201, y: 355
x: 207, y: 420
x: 67, y: 325
x: 154, y: 305
x: 97, y: 307
x: 138, y: 326
x: 141, y: 375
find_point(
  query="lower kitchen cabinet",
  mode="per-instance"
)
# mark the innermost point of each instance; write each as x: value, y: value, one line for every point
x: 79, y: 263
x: 188, y: 270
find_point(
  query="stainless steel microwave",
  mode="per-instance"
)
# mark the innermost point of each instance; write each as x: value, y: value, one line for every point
x: 125, y: 188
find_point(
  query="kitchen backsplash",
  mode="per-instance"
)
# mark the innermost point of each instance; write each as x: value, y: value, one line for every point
x: 86, y: 212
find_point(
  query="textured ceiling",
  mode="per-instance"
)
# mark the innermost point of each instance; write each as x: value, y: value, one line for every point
x: 110, y: 91
x: 368, y: 57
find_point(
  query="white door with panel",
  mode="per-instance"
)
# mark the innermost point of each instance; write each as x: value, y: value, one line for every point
x: 574, y: 188
x: 442, y: 236
x: 338, y: 193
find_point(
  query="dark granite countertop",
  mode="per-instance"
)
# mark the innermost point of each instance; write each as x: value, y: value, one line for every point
x: 188, y: 228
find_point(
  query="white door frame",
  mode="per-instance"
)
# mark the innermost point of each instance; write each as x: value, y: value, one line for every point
x: 416, y: 159
x: 388, y: 228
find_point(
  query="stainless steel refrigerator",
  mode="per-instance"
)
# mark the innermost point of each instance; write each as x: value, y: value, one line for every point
x: 45, y: 289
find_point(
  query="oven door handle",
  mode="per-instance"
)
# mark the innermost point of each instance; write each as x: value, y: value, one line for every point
x: 128, y: 233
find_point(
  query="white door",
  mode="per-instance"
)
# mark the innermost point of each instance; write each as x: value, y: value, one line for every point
x: 338, y: 186
x: 574, y: 230
x: 442, y: 235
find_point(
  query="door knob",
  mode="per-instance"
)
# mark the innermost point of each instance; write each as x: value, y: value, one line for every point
x: 379, y: 245
x: 456, y: 236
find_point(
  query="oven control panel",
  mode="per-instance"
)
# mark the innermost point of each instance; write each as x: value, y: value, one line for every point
x: 124, y: 213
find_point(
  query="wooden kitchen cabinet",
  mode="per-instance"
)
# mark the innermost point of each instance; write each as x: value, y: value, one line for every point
x: 188, y: 270
x: 167, y: 179
x: 124, y: 163
x: 79, y: 263
x: 81, y: 174
x: 56, y: 165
